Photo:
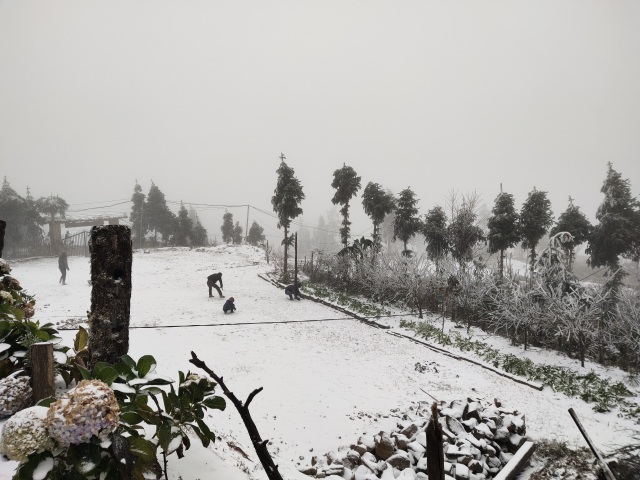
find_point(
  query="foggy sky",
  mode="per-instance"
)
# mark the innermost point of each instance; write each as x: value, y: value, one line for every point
x: 202, y: 97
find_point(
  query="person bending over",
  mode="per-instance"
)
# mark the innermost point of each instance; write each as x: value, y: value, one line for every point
x: 293, y: 290
x: 211, y: 282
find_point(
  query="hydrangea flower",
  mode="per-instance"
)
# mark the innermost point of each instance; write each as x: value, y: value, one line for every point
x: 29, y: 310
x: 5, y: 269
x: 25, y: 434
x: 11, y: 282
x: 6, y: 296
x: 15, y: 394
x: 89, y: 409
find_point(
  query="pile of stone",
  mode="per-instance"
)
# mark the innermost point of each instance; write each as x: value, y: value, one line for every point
x: 479, y: 438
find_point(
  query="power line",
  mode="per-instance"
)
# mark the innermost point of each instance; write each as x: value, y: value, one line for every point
x: 340, y: 319
x: 98, y: 208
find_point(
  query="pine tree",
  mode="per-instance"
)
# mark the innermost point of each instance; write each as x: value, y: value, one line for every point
x: 199, y: 234
x: 575, y: 222
x: 618, y: 231
x: 237, y: 234
x: 256, y: 234
x: 286, y: 199
x: 184, y: 228
x: 347, y: 183
x: 159, y: 218
x: 377, y: 204
x: 503, y: 227
x: 435, y: 234
x: 407, y: 222
x: 227, y: 227
x: 136, y: 217
x: 535, y: 219
x: 463, y: 232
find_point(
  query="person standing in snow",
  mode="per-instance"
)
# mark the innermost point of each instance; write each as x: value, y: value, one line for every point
x: 63, y: 265
x: 229, y: 305
x: 293, y: 290
x: 211, y: 282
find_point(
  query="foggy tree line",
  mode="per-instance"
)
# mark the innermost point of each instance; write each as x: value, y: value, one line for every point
x: 456, y: 231
x: 154, y: 224
x: 232, y: 233
x: 26, y: 215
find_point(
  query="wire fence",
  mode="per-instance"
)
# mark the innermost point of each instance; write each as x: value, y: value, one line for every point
x: 75, y: 245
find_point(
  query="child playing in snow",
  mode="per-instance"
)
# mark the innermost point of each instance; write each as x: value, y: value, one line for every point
x: 229, y: 306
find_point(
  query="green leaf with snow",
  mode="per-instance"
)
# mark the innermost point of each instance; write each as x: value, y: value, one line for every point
x: 105, y: 372
x: 146, y: 364
x: 217, y: 403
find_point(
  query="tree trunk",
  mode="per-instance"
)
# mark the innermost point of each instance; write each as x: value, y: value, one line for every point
x: 111, y: 259
x: 533, y: 260
x: 286, y: 250
x: 501, y: 264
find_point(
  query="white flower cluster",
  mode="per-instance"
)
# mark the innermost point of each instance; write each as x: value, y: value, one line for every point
x: 89, y: 409
x: 25, y: 434
x: 6, y: 296
x: 15, y: 395
x: 194, y: 378
x: 5, y: 269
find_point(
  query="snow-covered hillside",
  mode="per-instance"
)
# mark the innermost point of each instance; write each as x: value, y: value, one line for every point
x: 325, y: 382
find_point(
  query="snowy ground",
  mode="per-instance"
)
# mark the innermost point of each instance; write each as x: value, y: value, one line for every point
x: 325, y: 383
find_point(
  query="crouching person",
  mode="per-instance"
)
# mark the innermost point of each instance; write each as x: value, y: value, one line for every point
x: 228, y: 306
x: 293, y: 290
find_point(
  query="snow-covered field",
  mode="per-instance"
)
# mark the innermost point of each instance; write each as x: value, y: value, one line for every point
x: 325, y: 383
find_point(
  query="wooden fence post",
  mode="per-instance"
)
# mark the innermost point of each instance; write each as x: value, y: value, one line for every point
x: 111, y: 259
x: 42, y: 381
x: 3, y: 226
x: 435, y: 452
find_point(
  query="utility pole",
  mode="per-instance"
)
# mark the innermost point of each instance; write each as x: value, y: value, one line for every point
x: 141, y: 211
x: 295, y: 274
x: 246, y: 230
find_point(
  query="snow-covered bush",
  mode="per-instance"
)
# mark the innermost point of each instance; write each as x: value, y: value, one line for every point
x: 89, y: 409
x: 25, y: 434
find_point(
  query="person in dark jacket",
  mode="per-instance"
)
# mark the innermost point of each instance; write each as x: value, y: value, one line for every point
x: 293, y: 290
x: 229, y: 306
x: 63, y: 265
x: 211, y: 282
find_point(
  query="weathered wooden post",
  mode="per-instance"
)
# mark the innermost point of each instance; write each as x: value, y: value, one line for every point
x: 435, y: 452
x: 42, y: 379
x: 111, y: 258
x: 3, y: 226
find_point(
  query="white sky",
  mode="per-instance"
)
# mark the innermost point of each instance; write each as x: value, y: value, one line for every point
x: 203, y: 96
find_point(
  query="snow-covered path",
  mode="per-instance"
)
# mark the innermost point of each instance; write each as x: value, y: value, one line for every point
x: 325, y: 383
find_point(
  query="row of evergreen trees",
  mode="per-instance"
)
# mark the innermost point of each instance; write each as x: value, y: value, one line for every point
x: 460, y: 234
x: 233, y: 233
x: 153, y: 223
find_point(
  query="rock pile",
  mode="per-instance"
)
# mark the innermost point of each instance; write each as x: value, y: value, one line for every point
x: 479, y: 439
